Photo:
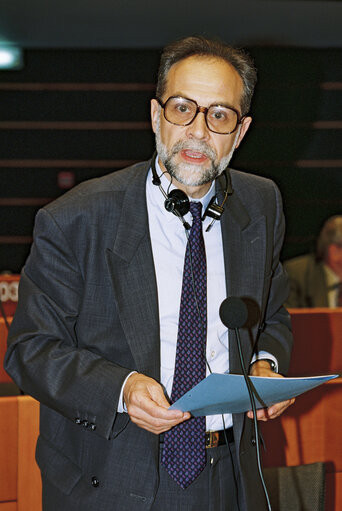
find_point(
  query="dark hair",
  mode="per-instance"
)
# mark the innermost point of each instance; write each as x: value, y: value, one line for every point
x: 198, y: 45
x: 330, y: 234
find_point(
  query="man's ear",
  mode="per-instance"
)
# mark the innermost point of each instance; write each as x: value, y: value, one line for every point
x: 243, y: 130
x: 155, y: 112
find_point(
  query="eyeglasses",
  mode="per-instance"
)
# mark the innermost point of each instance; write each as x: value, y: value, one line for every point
x: 219, y: 119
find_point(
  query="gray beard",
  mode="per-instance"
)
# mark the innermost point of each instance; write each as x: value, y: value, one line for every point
x: 191, y: 174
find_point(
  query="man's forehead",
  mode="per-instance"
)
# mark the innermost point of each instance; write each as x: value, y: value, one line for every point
x: 209, y: 78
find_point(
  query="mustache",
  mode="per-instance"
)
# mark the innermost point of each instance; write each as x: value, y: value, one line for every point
x: 194, y: 145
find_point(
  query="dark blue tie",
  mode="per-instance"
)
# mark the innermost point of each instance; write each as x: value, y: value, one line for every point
x: 184, y: 455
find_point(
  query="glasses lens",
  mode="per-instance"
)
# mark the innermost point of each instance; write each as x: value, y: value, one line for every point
x: 222, y: 119
x: 180, y: 111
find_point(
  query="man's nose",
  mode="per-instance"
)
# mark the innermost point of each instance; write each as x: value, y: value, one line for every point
x: 198, y: 128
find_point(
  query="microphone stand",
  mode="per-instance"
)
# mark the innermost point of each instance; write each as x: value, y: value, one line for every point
x: 255, y: 422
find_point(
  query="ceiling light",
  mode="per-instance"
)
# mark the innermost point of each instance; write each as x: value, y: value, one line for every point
x: 11, y: 57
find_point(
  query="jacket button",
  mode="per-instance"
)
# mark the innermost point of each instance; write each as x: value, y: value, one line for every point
x: 253, y: 441
x: 95, y: 482
x: 78, y: 420
x: 85, y: 423
x: 92, y: 426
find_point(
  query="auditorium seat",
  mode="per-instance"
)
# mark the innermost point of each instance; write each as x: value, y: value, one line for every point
x: 296, y: 488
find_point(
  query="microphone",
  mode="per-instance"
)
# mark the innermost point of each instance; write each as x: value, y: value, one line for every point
x: 234, y: 314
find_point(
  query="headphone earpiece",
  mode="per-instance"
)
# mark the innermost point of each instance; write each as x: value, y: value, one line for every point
x: 177, y: 201
x: 213, y: 210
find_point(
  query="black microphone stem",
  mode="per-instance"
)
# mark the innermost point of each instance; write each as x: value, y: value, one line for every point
x: 256, y: 427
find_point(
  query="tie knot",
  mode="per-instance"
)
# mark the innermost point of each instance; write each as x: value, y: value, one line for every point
x: 196, y: 210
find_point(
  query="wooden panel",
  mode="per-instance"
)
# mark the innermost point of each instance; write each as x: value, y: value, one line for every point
x: 317, y: 347
x: 8, y: 449
x: 309, y: 431
x: 29, y: 481
x: 8, y: 506
x: 4, y: 377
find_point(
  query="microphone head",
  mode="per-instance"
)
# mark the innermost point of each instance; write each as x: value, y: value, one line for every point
x: 233, y: 312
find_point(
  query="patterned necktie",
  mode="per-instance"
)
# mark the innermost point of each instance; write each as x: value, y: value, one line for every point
x: 184, y: 455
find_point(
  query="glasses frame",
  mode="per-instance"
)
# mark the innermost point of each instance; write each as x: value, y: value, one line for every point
x: 203, y: 110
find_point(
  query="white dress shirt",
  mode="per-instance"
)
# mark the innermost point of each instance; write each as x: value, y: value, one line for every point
x: 169, y: 242
x: 333, y: 285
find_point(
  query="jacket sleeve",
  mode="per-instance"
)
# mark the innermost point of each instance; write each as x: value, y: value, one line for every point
x: 43, y: 356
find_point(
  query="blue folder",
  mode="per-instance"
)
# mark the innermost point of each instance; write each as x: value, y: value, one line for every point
x: 227, y: 393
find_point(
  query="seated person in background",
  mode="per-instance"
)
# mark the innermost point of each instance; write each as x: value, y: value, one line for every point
x: 316, y: 279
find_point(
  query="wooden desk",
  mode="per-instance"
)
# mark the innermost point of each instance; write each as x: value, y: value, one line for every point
x: 310, y: 430
x: 20, y: 483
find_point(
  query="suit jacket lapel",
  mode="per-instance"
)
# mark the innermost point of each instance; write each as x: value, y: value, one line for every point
x: 244, y: 244
x: 131, y: 269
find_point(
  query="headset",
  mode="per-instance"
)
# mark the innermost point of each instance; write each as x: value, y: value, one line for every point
x: 178, y: 203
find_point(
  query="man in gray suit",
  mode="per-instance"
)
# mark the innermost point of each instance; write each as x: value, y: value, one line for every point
x: 95, y: 333
x: 316, y: 279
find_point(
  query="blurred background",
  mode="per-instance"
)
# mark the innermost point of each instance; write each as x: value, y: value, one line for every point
x: 75, y: 103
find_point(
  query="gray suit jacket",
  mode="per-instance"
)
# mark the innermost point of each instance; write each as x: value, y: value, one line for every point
x: 308, y: 285
x: 88, y: 315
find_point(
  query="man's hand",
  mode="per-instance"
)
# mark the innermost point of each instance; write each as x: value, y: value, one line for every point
x: 147, y: 405
x: 263, y: 368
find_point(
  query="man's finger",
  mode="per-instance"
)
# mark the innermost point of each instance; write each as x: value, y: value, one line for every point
x: 272, y: 412
x: 156, y: 424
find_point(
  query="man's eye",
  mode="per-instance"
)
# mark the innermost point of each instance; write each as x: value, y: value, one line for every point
x: 182, y: 109
x: 219, y: 116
